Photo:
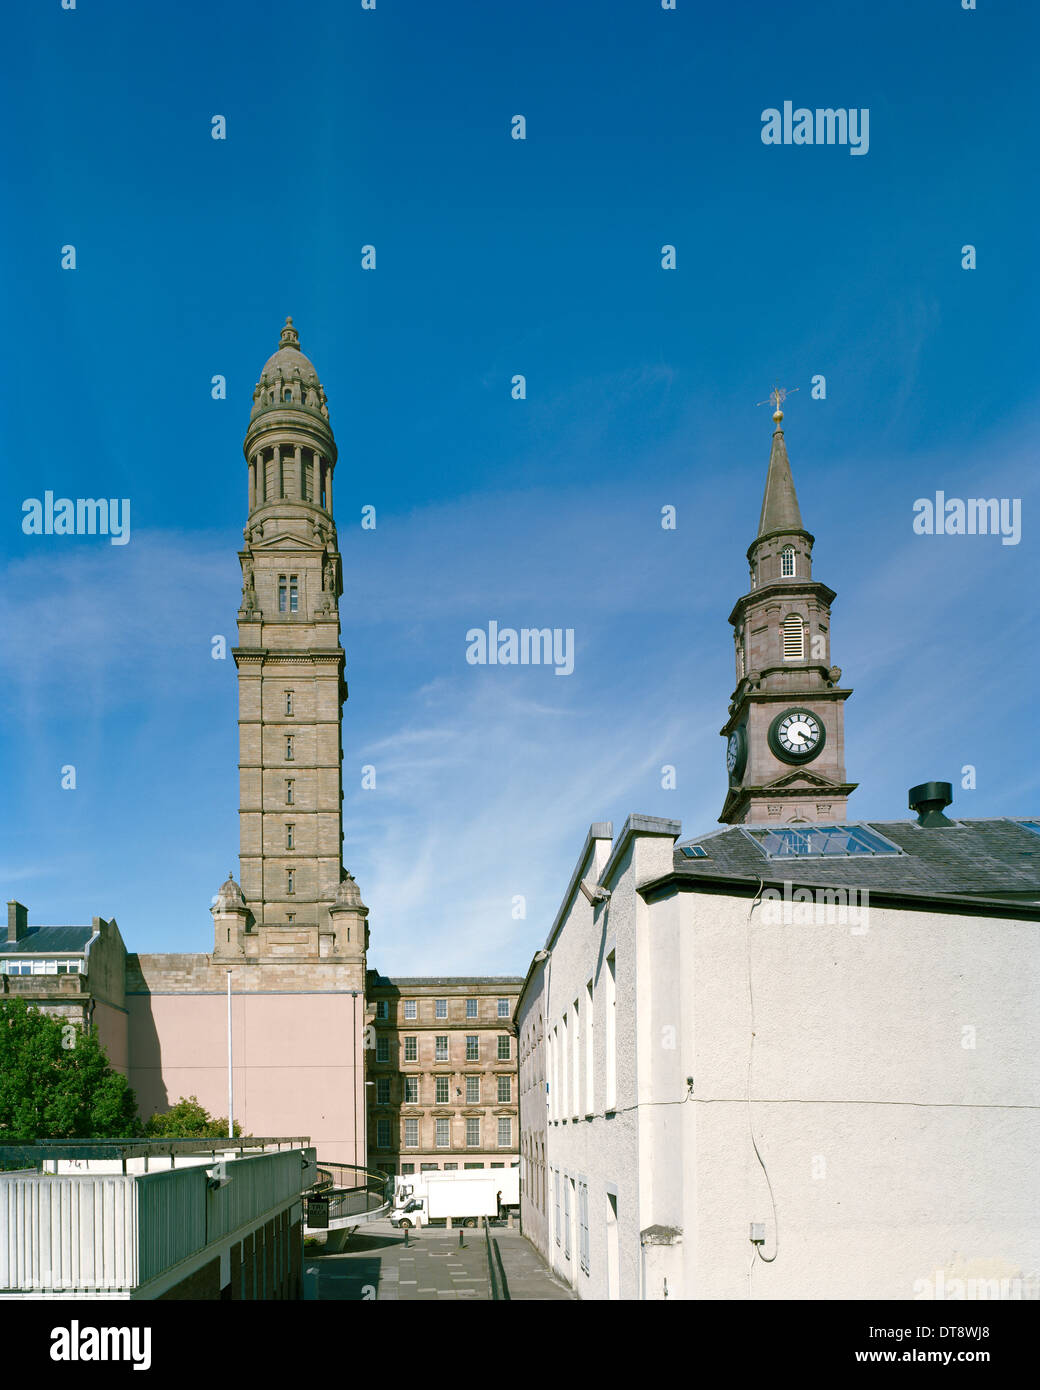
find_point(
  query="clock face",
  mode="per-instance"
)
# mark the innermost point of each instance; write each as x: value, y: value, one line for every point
x: 796, y: 736
x: 798, y: 732
x: 736, y: 753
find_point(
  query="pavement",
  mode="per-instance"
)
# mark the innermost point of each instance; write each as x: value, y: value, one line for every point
x: 375, y: 1264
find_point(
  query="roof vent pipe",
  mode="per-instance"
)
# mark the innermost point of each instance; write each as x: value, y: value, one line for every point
x: 929, y: 800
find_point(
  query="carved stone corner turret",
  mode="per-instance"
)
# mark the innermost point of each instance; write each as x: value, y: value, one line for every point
x: 348, y: 916
x: 231, y: 922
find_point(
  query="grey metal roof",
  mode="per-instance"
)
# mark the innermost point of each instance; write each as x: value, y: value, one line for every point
x: 972, y: 858
x: 48, y: 941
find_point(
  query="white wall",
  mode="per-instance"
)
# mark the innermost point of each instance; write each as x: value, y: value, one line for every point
x: 604, y: 1150
x: 531, y: 1108
x: 894, y: 1149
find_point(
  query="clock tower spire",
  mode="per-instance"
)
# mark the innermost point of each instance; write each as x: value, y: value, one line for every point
x: 785, y: 749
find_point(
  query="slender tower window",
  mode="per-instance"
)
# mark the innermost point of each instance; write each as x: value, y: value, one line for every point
x: 282, y: 592
x: 754, y: 576
x: 290, y: 837
x: 290, y: 880
x: 787, y: 561
x: 288, y: 702
x: 288, y: 747
x: 792, y: 634
x: 290, y: 791
x: 294, y: 594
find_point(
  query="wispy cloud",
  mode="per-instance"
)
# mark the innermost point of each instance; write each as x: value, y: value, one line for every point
x: 489, y: 826
x: 487, y: 778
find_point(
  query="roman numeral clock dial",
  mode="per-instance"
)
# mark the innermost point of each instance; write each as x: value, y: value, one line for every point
x: 736, y: 753
x: 796, y: 736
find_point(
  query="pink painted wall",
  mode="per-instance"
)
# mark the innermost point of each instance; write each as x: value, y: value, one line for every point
x: 112, y: 1026
x: 298, y: 1063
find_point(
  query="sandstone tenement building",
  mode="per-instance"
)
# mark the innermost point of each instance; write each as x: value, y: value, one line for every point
x: 442, y: 1090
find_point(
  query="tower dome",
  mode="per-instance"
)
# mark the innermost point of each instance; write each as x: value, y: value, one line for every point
x: 289, y: 444
x: 289, y: 379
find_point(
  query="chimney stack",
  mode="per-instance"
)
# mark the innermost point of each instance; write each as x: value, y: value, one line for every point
x: 929, y: 800
x: 17, y: 921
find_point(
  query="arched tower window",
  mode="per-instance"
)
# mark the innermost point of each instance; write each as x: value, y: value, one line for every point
x: 787, y: 561
x: 287, y: 396
x: 792, y: 637
x: 754, y: 576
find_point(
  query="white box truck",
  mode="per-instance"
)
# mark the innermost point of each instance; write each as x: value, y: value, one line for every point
x: 464, y: 1196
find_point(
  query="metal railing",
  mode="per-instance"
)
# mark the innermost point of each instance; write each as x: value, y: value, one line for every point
x: 498, y: 1285
x: 40, y: 1151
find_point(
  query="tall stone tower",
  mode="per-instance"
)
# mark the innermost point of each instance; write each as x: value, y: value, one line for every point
x: 296, y: 901
x: 289, y: 943
x: 785, y: 736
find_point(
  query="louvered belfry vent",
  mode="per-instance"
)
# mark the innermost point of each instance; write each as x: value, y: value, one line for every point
x: 793, y: 634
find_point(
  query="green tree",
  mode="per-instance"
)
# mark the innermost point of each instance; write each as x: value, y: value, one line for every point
x: 56, y: 1083
x: 187, y: 1119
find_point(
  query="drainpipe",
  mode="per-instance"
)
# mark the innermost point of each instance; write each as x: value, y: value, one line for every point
x: 354, y: 997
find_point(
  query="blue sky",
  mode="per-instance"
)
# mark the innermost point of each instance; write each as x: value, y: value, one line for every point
x: 496, y: 257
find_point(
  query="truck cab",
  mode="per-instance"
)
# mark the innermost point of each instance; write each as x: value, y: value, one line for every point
x: 411, y: 1212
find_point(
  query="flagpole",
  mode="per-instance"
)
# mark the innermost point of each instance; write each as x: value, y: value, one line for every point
x: 230, y: 1074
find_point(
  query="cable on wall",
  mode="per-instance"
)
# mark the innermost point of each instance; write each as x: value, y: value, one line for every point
x: 767, y: 1259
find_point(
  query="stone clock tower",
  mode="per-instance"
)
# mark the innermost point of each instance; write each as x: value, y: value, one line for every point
x: 295, y: 901
x: 785, y: 743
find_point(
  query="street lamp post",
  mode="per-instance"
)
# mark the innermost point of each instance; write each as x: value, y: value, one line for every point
x: 230, y: 1073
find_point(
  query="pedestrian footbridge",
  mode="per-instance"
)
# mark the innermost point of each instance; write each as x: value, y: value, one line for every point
x: 343, y: 1196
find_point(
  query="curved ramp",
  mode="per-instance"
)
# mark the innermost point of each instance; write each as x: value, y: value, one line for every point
x: 343, y: 1196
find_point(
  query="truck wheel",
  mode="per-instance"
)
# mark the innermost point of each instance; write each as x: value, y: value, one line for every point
x: 470, y: 1221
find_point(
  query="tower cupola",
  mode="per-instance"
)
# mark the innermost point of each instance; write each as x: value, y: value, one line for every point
x: 289, y: 444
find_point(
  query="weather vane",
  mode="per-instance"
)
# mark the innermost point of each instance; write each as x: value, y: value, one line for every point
x: 778, y: 395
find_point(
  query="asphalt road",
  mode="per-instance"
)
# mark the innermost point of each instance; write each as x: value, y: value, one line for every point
x: 376, y: 1265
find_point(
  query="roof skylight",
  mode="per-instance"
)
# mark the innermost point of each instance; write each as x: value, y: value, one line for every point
x: 819, y: 841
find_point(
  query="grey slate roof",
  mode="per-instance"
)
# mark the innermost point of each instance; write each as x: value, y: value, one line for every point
x: 973, y: 859
x: 48, y: 941
x: 384, y: 982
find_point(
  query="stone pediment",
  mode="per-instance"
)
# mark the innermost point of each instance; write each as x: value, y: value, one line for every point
x: 288, y: 542
x: 800, y: 784
x: 799, y: 777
